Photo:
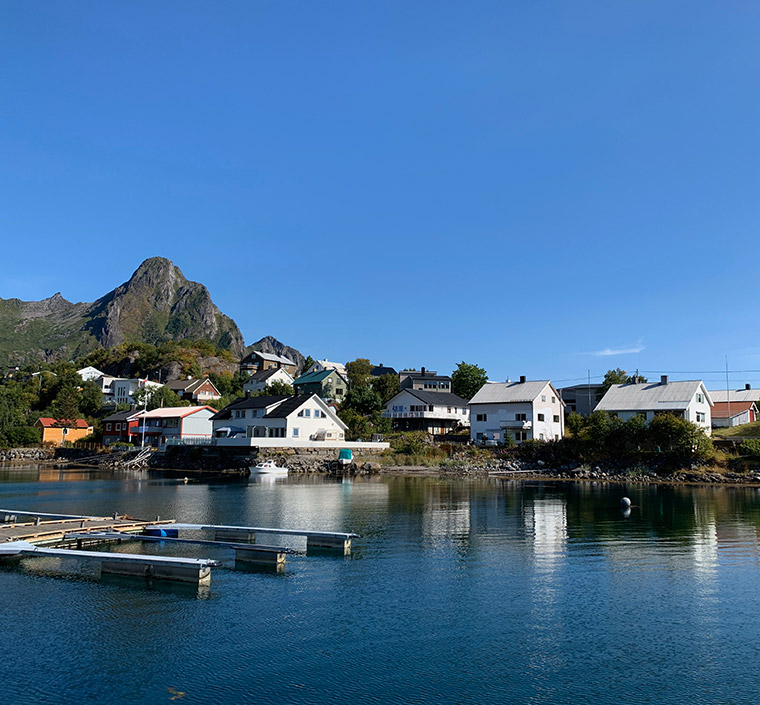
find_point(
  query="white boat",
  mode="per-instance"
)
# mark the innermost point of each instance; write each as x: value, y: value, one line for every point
x: 268, y: 467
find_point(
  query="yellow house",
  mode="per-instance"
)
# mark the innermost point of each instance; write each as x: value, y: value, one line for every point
x: 59, y: 431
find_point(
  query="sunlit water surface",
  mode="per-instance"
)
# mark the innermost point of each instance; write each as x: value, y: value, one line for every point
x: 459, y: 592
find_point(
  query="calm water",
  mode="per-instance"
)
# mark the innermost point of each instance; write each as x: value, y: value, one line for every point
x: 459, y: 592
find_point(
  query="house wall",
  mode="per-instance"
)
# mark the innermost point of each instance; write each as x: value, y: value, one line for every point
x: 257, y: 386
x: 502, y: 418
x: 312, y: 425
x: 197, y: 425
x: 56, y: 435
x: 737, y: 420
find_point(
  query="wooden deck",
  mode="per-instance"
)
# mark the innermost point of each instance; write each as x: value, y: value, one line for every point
x: 55, y: 530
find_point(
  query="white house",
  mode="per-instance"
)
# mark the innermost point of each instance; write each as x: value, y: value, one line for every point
x: 434, y: 412
x: 687, y: 400
x: 259, y: 381
x: 297, y: 418
x: 322, y: 365
x: 523, y: 410
x: 89, y: 373
x: 177, y: 424
x: 122, y: 390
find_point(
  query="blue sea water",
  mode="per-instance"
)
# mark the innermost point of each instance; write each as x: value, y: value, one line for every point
x: 459, y: 591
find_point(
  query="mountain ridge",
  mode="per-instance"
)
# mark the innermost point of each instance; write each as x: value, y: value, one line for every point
x: 157, y: 303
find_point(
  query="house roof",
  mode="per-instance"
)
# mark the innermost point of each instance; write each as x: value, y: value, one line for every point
x: 436, y: 398
x: 269, y: 356
x: 264, y: 375
x: 174, y: 411
x: 650, y: 396
x: 48, y: 422
x: 507, y: 392
x: 123, y: 416
x: 312, y: 377
x: 332, y: 365
x: 248, y: 403
x: 735, y: 395
x: 720, y: 409
x: 380, y: 370
x: 419, y: 376
x: 292, y: 404
x: 189, y: 385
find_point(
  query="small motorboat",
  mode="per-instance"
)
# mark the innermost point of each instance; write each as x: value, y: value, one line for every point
x: 268, y: 466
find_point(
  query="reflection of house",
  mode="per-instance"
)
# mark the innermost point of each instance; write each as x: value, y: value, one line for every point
x: 260, y: 361
x: 175, y: 424
x: 328, y: 384
x: 434, y: 412
x: 523, y: 410
x: 199, y: 390
x: 424, y: 380
x: 735, y: 413
x: 60, y: 431
x: 120, y: 427
x: 304, y: 418
x: 686, y: 400
x: 259, y: 381
x: 581, y: 398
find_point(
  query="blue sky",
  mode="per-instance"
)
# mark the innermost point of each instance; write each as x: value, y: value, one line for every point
x: 523, y: 185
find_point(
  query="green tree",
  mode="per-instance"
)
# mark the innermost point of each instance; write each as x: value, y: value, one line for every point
x: 575, y: 423
x: 467, y: 379
x: 65, y: 406
x: 158, y: 398
x: 386, y: 387
x: 359, y: 371
x: 619, y: 376
x: 363, y: 399
x: 90, y: 399
x: 279, y: 388
x: 308, y: 363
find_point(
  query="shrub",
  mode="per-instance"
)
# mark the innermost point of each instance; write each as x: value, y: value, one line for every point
x: 750, y: 447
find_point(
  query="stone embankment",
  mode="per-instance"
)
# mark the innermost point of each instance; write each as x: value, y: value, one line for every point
x: 641, y: 474
x: 26, y: 455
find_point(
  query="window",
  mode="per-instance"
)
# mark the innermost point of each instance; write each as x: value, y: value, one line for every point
x: 541, y: 436
x: 305, y: 413
x: 540, y: 417
x: 448, y: 409
x: 295, y: 432
x: 554, y: 400
x: 521, y: 417
x: 521, y: 436
x: 556, y: 418
x: 543, y: 397
x: 481, y: 417
x: 701, y: 398
x: 108, y: 427
x: 701, y: 417
x: 339, y: 392
x: 317, y: 413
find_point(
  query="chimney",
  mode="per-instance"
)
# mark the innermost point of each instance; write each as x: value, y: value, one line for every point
x: 422, y: 370
x: 664, y: 379
x: 748, y: 386
x: 523, y: 379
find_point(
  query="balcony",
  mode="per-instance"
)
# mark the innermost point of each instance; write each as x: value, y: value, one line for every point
x: 448, y: 415
x: 524, y: 425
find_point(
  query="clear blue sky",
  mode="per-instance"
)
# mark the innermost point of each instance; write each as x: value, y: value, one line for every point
x: 523, y: 185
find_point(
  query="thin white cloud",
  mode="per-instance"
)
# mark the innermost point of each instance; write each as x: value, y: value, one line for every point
x: 609, y: 352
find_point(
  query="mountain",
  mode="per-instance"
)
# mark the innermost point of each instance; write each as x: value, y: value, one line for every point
x: 268, y: 344
x: 157, y: 304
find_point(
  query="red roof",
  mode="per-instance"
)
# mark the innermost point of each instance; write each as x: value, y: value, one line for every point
x: 720, y: 408
x: 48, y: 422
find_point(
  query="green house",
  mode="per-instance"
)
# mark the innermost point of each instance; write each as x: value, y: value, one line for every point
x: 330, y: 385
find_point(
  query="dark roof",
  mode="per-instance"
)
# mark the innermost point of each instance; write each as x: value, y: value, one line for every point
x: 437, y: 398
x: 379, y: 371
x: 264, y: 375
x: 289, y: 406
x: 247, y: 403
x: 420, y: 376
x: 122, y: 415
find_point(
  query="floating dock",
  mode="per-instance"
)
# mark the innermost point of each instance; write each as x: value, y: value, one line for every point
x: 56, y: 535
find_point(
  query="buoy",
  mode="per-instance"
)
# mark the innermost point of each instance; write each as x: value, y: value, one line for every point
x: 185, y: 480
x: 625, y: 502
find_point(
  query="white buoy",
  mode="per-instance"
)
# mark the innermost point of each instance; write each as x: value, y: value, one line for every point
x: 625, y: 502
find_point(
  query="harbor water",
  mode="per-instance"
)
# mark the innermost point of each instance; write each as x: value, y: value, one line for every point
x: 459, y: 591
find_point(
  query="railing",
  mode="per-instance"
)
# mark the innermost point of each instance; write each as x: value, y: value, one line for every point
x: 525, y: 425
x: 424, y: 415
x: 191, y: 441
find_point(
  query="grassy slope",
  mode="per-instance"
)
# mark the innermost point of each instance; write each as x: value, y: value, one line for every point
x: 747, y: 430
